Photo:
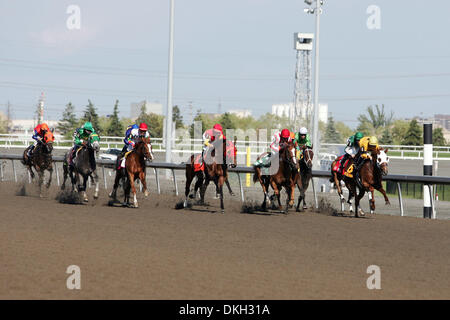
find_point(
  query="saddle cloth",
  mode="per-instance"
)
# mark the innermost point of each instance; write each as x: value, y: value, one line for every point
x: 198, y: 163
x: 122, y: 162
x: 347, y: 172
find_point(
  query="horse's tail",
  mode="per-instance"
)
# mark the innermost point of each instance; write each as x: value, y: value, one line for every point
x: 255, y: 175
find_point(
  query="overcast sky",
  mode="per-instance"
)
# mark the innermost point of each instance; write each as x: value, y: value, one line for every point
x: 238, y: 52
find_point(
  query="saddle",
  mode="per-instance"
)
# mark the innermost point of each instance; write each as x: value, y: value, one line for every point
x: 348, y: 172
x: 199, y: 165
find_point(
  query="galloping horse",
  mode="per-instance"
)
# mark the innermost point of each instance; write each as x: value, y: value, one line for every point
x: 84, y: 164
x: 286, y: 176
x: 216, y: 164
x: 347, y: 177
x: 306, y: 163
x: 121, y: 173
x: 371, y: 174
x: 41, y: 159
x: 135, y: 168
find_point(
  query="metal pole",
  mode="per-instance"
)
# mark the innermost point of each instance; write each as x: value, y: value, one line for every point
x: 1, y: 171
x: 400, y: 199
x: 316, y: 82
x: 157, y: 180
x: 169, y: 88
x: 14, y: 170
x: 241, y: 188
x: 175, y: 181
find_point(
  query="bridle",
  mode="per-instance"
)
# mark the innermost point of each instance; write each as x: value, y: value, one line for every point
x: 308, y: 162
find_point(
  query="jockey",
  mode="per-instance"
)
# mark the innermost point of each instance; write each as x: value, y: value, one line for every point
x: 301, y: 139
x: 352, y: 148
x: 277, y: 139
x: 211, y: 134
x: 81, y: 137
x: 367, y: 146
x: 131, y: 134
x: 38, y: 135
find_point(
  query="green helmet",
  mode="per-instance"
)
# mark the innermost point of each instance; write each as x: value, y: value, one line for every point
x: 88, y: 126
x: 359, y: 135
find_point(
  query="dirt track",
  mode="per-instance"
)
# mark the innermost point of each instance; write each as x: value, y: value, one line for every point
x: 157, y: 252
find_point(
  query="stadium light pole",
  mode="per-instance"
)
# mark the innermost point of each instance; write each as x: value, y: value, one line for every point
x: 317, y: 11
x: 169, y: 88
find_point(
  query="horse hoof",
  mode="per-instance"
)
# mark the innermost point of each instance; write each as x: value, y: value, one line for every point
x: 146, y: 193
x: 96, y: 196
x: 222, y: 211
x: 388, y: 203
x: 232, y: 194
x: 372, y: 211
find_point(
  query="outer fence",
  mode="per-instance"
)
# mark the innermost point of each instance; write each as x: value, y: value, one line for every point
x: 425, y: 180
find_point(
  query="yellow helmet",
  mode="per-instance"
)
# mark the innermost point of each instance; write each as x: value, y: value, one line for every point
x: 373, y: 141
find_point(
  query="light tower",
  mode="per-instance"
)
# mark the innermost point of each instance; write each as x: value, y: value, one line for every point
x: 303, y: 44
x: 40, y: 109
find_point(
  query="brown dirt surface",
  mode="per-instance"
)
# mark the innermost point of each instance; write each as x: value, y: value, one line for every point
x: 157, y: 252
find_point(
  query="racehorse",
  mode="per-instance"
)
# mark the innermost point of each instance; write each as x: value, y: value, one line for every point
x: 306, y: 163
x: 347, y: 177
x: 371, y: 173
x: 84, y: 164
x: 286, y: 176
x: 41, y: 159
x: 137, y: 166
x: 216, y: 164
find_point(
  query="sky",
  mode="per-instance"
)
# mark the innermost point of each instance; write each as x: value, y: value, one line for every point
x: 236, y: 53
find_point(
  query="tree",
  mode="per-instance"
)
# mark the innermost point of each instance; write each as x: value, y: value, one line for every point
x: 399, y: 130
x: 67, y: 125
x: 344, y: 131
x: 115, y: 127
x: 154, y: 122
x: 3, y: 123
x: 177, y: 117
x: 90, y: 114
x: 386, y: 138
x: 438, y: 137
x: 331, y: 134
x: 413, y: 136
x: 226, y: 121
x: 376, y: 120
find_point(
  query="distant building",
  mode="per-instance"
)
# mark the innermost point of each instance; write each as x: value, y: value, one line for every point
x: 151, y: 107
x: 27, y: 126
x: 287, y: 110
x: 241, y: 113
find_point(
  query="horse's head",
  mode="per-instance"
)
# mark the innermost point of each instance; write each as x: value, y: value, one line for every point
x: 383, y: 161
x: 287, y: 154
x: 48, y: 141
x: 149, y: 146
x: 308, y: 155
x: 142, y: 148
x: 94, y: 142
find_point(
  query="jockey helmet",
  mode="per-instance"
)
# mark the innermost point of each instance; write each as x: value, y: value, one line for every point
x: 303, y: 131
x: 373, y: 141
x: 359, y: 135
x: 285, y: 133
x: 217, y: 126
x: 143, y: 126
x: 44, y: 127
x: 88, y: 126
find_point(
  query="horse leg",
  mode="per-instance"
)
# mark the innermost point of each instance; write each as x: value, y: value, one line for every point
x: 203, y: 190
x: 144, y: 182
x: 198, y: 184
x: 337, y: 183
x: 189, y: 178
x: 221, y: 181
x: 65, y: 173
x: 383, y: 192
x: 84, y: 193
x: 41, y: 180
x: 288, y: 198
x: 229, y: 187
x: 113, y: 193
x: 94, y: 178
x: 358, y: 211
x: 277, y: 193
x: 371, y: 200
x: 133, y: 188
x: 50, y: 169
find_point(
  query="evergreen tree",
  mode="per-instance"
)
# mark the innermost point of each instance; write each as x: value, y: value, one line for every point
x: 115, y: 127
x: 177, y: 117
x: 67, y: 125
x: 331, y: 134
x: 413, y: 136
x: 386, y: 138
x: 90, y: 114
x: 438, y: 137
x: 227, y: 122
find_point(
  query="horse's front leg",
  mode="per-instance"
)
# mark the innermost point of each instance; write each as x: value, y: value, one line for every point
x: 65, y: 173
x: 358, y: 197
x: 386, y: 199
x: 220, y: 182
x: 50, y: 169
x: 94, y: 179
x: 41, y: 180
x: 133, y: 189
x: 277, y: 193
x: 203, y: 190
x: 84, y: 193
x: 337, y: 183
x: 113, y: 193
x: 229, y: 187
x: 144, y: 182
x: 292, y: 194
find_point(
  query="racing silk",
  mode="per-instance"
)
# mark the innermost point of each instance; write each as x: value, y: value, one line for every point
x: 364, y: 145
x: 131, y: 135
x: 80, y: 135
x: 302, y: 142
x: 275, y: 145
x: 37, y: 133
x: 210, y: 135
